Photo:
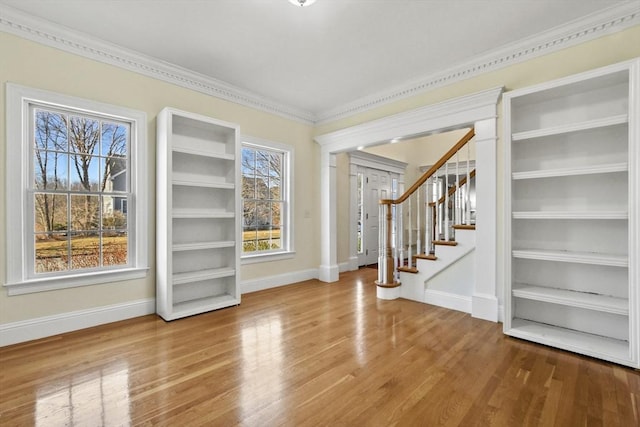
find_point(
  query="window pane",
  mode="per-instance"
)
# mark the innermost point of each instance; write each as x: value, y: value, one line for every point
x: 85, y: 212
x: 51, y: 252
x: 114, y: 248
x: 50, y: 170
x: 85, y: 250
x: 114, y: 174
x: 263, y: 215
x: 249, y: 215
x: 262, y: 163
x: 275, y: 240
x: 262, y: 189
x: 114, y: 140
x: 114, y: 213
x: 84, y: 172
x: 249, y: 238
x: 248, y: 187
x: 50, y: 213
x: 50, y: 131
x: 274, y: 188
x: 248, y: 162
x: 275, y: 169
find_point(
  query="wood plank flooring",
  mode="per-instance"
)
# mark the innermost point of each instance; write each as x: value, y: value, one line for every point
x: 310, y: 354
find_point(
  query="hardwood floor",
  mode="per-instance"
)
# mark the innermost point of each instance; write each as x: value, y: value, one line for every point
x: 306, y: 355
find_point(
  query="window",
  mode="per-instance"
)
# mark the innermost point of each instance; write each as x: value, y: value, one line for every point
x: 266, y: 205
x: 75, y: 175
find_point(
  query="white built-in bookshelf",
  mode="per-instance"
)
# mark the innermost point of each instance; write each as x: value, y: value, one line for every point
x: 198, y: 226
x: 572, y: 220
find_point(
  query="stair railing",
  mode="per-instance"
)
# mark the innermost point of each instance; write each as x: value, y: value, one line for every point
x: 442, y: 205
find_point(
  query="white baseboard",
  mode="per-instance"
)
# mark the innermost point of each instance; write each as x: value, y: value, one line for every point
x: 345, y: 266
x: 485, y: 307
x: 448, y: 300
x: 268, y: 282
x: 27, y: 330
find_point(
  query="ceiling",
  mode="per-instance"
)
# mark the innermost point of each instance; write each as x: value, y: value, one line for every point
x: 318, y: 58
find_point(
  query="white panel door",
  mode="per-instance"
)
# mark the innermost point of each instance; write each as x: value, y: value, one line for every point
x: 377, y: 185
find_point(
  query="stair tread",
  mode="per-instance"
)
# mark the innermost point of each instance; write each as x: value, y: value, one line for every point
x: 430, y: 257
x: 464, y: 227
x: 445, y: 242
x: 406, y: 269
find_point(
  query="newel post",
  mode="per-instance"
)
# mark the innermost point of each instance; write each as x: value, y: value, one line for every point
x: 386, y: 266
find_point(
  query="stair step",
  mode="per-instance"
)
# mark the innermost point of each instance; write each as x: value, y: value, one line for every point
x: 445, y: 242
x: 430, y: 257
x: 464, y: 227
x: 408, y: 269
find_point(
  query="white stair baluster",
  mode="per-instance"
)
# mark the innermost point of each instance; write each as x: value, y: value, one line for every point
x: 418, y: 233
x: 427, y: 220
x: 410, y: 249
x: 446, y: 201
x: 456, y: 199
x: 436, y: 207
x: 468, y: 191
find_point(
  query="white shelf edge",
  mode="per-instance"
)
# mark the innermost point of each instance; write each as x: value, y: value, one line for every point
x: 610, y: 349
x: 574, y: 257
x: 200, y: 305
x: 571, y: 127
x: 584, y: 170
x: 201, y: 213
x: 196, y: 276
x: 177, y: 247
x: 185, y: 181
x: 204, y: 153
x: 570, y: 215
x: 570, y: 298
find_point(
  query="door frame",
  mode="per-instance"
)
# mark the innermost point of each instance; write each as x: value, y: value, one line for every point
x: 361, y: 159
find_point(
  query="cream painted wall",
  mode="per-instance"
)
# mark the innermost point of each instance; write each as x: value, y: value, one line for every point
x: 34, y: 65
x: 603, y: 51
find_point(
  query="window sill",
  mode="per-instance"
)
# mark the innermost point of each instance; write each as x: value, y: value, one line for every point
x: 72, y: 281
x: 273, y: 256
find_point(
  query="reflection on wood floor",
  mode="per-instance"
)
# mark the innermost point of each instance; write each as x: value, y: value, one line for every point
x: 310, y: 354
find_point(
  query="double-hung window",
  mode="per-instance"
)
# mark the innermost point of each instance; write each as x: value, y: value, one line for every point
x: 266, y: 199
x: 76, y: 191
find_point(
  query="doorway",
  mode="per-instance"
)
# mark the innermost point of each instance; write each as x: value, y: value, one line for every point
x: 372, y: 178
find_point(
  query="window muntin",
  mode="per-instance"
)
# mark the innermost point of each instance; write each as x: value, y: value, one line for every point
x: 265, y: 205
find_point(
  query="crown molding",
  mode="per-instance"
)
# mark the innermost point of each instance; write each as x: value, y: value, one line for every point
x: 590, y: 27
x: 41, y: 31
x: 579, y: 31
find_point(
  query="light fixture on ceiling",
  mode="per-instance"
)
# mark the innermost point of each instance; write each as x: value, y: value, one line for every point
x: 302, y: 3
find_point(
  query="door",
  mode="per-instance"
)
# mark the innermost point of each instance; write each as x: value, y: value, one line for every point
x: 375, y: 185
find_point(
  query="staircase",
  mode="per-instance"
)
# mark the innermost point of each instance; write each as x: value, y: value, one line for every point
x: 434, y: 262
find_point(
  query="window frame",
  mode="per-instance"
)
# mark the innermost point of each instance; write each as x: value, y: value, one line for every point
x: 20, y: 101
x: 287, y: 251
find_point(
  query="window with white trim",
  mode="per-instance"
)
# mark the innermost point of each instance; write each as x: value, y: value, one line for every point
x: 266, y: 204
x: 77, y: 188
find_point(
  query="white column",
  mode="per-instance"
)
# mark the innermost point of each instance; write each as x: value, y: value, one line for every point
x: 484, y: 303
x: 328, y: 270
x: 353, y: 217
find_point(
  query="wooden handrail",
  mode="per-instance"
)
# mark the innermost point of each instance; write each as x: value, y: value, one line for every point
x: 454, y: 188
x: 433, y: 169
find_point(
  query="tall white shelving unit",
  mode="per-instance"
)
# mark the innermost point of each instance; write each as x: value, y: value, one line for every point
x: 572, y: 219
x: 198, y: 225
